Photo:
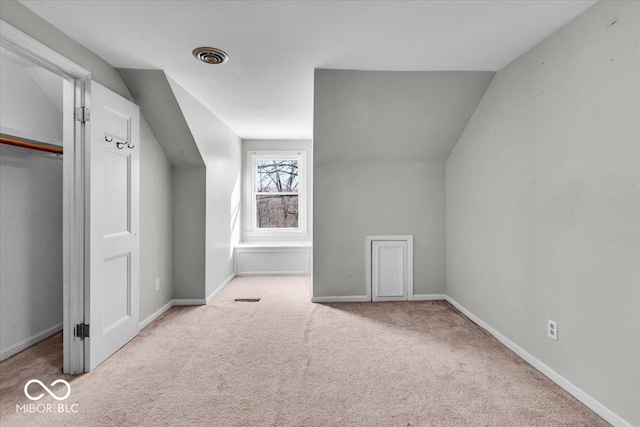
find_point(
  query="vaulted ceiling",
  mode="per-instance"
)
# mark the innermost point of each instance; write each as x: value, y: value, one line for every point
x: 266, y: 89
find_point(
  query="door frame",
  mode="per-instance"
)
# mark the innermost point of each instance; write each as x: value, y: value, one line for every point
x: 76, y: 88
x: 368, y: 264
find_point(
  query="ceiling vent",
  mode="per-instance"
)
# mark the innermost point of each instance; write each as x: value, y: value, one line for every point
x: 210, y: 55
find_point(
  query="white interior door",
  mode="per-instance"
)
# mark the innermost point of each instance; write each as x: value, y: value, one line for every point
x: 113, y: 184
x: 389, y: 270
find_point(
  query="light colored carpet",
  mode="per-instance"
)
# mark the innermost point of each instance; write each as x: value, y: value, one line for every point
x: 284, y: 361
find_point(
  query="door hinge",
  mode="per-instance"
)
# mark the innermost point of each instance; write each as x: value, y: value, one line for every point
x: 82, y: 330
x: 83, y: 114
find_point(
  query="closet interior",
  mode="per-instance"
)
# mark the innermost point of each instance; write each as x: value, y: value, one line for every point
x: 31, y: 204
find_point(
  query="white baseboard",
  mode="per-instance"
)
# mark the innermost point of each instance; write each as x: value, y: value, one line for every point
x: 275, y: 273
x: 347, y: 298
x: 159, y: 312
x: 175, y: 302
x: 429, y: 297
x: 155, y: 315
x: 196, y: 301
x: 363, y: 298
x: 597, y: 407
x: 220, y: 288
x: 34, y: 339
x: 172, y: 303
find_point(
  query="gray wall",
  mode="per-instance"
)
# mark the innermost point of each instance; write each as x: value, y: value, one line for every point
x: 380, y: 142
x: 156, y: 232
x: 220, y: 150
x: 189, y: 240
x: 543, y: 205
x: 31, y: 244
x: 153, y: 248
x: 152, y: 92
x: 205, y: 155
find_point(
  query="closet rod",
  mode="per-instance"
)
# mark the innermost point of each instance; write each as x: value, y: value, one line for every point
x: 31, y: 145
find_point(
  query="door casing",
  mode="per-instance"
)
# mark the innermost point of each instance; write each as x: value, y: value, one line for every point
x: 76, y: 84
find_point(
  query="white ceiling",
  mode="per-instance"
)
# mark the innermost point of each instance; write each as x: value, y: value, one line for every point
x: 265, y: 91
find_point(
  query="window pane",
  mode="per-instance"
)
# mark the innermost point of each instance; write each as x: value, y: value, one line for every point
x: 277, y: 211
x: 277, y: 176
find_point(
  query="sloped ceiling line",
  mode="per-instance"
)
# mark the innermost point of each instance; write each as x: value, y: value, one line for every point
x: 152, y: 92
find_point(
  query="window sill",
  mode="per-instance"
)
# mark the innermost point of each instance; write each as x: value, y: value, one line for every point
x: 278, y: 244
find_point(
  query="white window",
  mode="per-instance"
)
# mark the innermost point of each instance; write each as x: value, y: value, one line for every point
x: 278, y: 193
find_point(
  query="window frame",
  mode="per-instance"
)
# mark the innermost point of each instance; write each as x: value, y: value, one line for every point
x: 252, y: 167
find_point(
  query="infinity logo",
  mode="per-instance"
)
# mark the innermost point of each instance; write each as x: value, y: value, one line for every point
x: 52, y: 394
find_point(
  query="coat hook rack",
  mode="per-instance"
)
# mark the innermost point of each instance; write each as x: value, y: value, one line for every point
x: 119, y: 144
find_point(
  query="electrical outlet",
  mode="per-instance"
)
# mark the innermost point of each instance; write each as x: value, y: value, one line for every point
x: 157, y: 284
x: 552, y: 329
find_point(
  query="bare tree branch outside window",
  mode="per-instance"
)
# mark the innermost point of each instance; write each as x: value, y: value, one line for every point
x: 277, y: 193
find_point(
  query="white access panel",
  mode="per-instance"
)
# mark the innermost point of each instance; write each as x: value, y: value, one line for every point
x: 390, y: 268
